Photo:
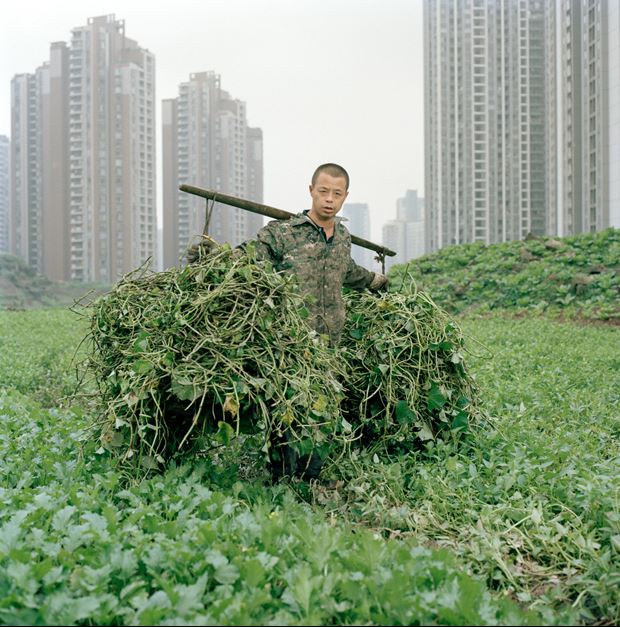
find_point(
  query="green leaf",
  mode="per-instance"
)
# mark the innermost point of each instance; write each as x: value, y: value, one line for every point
x: 148, y: 462
x: 404, y: 415
x: 142, y: 342
x: 184, y: 389
x: 142, y: 366
x: 436, y: 346
x: 227, y: 573
x: 425, y: 433
x: 225, y: 433
x: 436, y: 400
x: 252, y: 572
x: 462, y: 402
x: 456, y: 358
x: 461, y: 421
x: 357, y: 333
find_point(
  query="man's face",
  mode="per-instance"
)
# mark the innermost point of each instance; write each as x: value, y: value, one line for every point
x: 328, y: 194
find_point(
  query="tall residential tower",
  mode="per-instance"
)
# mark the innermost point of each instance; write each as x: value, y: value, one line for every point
x: 207, y: 143
x: 5, y: 148
x: 83, y: 157
x: 112, y: 194
x: 588, y: 113
x: 485, y: 120
x: 522, y: 128
x: 357, y: 215
x: 405, y: 234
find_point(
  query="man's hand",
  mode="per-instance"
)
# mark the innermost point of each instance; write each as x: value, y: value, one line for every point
x: 200, y: 250
x: 379, y: 283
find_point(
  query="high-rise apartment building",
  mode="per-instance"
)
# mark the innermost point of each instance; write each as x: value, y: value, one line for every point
x: 54, y: 165
x: 207, y: 143
x: 522, y: 118
x: 611, y: 23
x: 393, y: 237
x: 358, y: 223
x: 112, y: 195
x: 485, y: 138
x: 26, y: 162
x: 5, y: 147
x: 405, y: 234
x: 410, y: 210
x: 587, y: 133
x: 83, y: 157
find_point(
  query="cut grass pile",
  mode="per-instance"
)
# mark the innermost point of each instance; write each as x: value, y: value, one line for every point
x: 407, y: 380
x: 204, y: 351
x: 222, y: 345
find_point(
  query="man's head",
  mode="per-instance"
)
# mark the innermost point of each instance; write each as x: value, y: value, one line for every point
x: 329, y: 189
x: 333, y: 169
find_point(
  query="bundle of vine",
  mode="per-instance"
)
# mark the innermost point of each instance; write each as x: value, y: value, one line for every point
x: 196, y: 354
x: 407, y: 381
x: 193, y: 355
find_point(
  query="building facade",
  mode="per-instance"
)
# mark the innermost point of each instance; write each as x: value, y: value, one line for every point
x: 5, y: 151
x: 522, y: 127
x: 83, y: 157
x: 112, y: 194
x: 588, y: 106
x: 405, y: 234
x: 26, y: 162
x: 485, y: 140
x: 207, y: 143
x: 358, y: 223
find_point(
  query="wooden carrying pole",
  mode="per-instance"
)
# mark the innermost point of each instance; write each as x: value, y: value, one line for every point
x: 278, y: 214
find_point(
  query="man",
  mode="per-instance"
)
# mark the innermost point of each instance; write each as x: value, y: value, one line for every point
x: 316, y: 247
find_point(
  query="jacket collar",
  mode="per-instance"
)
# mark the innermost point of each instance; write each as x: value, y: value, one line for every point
x: 302, y: 218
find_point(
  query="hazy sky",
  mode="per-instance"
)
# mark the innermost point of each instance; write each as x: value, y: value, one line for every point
x: 326, y: 80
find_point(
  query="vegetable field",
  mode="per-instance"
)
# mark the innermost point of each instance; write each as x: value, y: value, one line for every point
x: 519, y: 523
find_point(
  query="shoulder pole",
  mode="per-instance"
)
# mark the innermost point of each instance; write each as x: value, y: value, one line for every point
x: 277, y: 214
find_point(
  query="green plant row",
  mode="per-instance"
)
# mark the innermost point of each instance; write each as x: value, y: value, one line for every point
x: 76, y: 547
x: 38, y: 353
x: 531, y: 499
x: 576, y: 276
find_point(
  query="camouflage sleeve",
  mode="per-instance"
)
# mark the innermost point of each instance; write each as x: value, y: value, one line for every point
x: 266, y: 244
x: 357, y: 277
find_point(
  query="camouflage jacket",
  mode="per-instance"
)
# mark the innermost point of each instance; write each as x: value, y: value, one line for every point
x: 298, y: 246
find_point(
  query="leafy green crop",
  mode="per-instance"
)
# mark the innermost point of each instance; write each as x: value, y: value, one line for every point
x: 530, y: 500
x: 524, y: 510
x: 38, y: 353
x: 78, y: 548
x: 576, y: 276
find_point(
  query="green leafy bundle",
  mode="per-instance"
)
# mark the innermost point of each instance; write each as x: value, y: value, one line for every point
x: 204, y: 351
x: 407, y: 379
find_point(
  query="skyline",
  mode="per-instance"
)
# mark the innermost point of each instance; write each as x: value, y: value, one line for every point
x: 354, y: 97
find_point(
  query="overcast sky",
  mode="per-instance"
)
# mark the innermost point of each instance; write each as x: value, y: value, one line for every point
x: 326, y: 80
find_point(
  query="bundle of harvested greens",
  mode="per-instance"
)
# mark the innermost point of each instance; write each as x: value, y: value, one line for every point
x: 406, y: 380
x: 205, y: 348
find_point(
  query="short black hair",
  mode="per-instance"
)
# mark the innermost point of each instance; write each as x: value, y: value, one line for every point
x: 333, y: 169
